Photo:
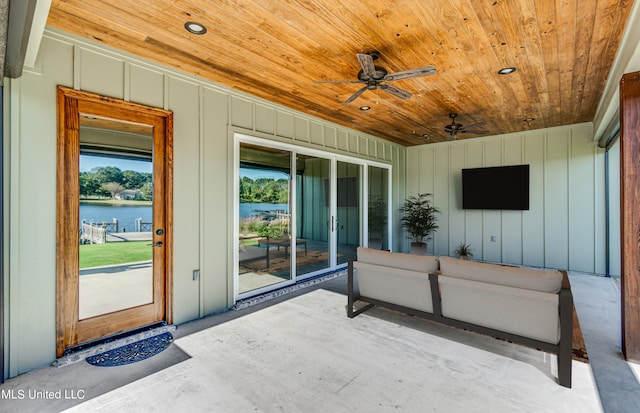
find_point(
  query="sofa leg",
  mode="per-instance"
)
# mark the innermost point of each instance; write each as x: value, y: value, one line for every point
x: 353, y: 294
x: 566, y: 338
x: 564, y: 371
x: 352, y: 312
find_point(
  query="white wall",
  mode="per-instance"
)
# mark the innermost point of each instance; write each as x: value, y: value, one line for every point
x: 205, y: 117
x: 565, y: 226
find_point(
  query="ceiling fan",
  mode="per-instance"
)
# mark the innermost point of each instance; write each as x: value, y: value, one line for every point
x: 373, y: 77
x: 455, y: 128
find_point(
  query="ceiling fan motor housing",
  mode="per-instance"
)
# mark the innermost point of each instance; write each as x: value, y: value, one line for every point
x: 379, y: 75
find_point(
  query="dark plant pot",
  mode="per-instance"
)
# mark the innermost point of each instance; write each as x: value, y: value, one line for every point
x: 375, y: 243
x: 419, y: 248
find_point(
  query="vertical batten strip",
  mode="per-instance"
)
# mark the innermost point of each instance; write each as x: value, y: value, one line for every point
x: 77, y: 64
x: 201, y: 202
x: 126, y: 84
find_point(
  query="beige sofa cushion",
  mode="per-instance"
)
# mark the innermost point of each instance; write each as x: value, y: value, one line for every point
x: 527, y: 313
x: 394, y: 285
x: 548, y: 281
x: 411, y: 262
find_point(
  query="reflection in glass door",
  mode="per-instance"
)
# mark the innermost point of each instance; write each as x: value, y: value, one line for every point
x: 313, y: 214
x: 265, y: 242
x: 347, y: 221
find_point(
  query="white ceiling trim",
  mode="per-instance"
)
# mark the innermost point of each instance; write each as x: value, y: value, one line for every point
x: 37, y: 31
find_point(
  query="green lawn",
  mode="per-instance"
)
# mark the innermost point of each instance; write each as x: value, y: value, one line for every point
x: 112, y: 253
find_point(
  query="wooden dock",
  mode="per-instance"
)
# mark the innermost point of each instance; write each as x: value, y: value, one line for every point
x: 129, y: 236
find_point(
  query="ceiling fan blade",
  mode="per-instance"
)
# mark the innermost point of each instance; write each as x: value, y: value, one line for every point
x: 479, y: 131
x: 402, y: 94
x: 366, y: 61
x: 474, y: 125
x: 337, y: 81
x: 407, y: 74
x: 355, y: 95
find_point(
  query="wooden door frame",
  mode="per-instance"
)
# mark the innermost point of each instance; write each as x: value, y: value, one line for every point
x: 629, y: 219
x: 70, y: 103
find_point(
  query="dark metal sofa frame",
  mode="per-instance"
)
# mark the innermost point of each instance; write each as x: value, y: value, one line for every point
x: 563, y: 349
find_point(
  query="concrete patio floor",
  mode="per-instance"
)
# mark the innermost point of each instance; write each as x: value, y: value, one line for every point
x: 597, y: 301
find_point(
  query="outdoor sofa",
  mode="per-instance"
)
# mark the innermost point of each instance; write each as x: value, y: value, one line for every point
x: 522, y: 305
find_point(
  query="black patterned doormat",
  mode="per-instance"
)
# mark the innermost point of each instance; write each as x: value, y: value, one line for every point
x: 131, y: 353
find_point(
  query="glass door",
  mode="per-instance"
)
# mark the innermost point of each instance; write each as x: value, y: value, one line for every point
x: 264, y: 230
x: 114, y: 186
x: 116, y: 221
x: 313, y: 215
x: 377, y: 207
x: 347, y: 215
x: 301, y: 213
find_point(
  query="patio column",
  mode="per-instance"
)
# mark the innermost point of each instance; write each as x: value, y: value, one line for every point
x: 629, y: 216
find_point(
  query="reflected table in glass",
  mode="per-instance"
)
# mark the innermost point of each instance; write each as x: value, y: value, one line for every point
x: 286, y: 242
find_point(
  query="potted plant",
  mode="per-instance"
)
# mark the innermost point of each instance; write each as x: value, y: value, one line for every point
x: 274, y: 229
x: 463, y: 251
x: 419, y: 220
x: 377, y: 221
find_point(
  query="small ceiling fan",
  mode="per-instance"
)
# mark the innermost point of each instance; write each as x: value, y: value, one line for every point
x: 454, y: 128
x: 373, y: 77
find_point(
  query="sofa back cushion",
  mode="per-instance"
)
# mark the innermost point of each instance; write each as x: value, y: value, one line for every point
x: 548, y: 281
x: 422, y: 263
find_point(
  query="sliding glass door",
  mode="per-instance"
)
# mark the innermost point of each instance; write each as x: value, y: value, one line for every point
x: 301, y: 213
x: 378, y: 207
x: 264, y: 249
x: 313, y: 214
x: 348, y: 215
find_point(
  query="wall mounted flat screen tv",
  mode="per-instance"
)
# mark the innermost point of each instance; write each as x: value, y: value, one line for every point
x: 500, y: 187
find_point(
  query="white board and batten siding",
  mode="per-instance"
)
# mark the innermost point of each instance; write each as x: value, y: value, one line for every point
x: 565, y: 225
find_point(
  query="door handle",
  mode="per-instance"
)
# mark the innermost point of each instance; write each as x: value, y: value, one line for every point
x: 157, y: 244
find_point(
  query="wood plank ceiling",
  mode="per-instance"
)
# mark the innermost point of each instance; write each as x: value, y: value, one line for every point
x: 562, y: 51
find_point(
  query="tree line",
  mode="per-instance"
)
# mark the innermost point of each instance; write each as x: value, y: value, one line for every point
x: 110, y: 181
x: 264, y: 190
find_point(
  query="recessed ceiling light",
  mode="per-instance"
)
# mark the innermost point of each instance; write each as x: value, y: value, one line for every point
x: 529, y: 119
x: 195, y: 28
x: 506, y: 70
x: 424, y: 135
x: 365, y: 107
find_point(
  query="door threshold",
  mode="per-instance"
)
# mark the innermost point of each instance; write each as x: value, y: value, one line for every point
x: 257, y: 299
x: 80, y: 352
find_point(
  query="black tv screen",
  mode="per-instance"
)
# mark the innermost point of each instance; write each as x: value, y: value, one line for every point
x: 500, y: 187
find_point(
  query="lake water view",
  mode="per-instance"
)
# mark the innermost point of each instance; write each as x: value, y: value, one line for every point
x: 126, y: 214
x: 249, y: 210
